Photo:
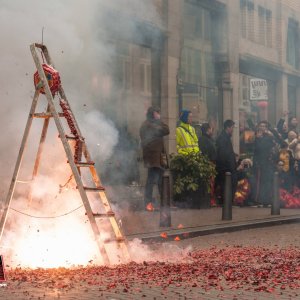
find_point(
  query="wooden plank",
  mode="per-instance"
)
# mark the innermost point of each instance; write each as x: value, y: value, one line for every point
x: 45, y: 115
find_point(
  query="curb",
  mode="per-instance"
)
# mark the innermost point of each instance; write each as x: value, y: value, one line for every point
x: 191, y: 232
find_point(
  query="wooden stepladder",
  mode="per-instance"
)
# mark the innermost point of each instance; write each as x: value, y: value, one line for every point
x: 74, y: 159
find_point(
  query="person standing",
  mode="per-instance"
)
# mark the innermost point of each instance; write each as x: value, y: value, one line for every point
x: 264, y: 158
x: 208, y: 148
x: 186, y: 137
x: 206, y: 143
x: 226, y: 160
x: 152, y: 132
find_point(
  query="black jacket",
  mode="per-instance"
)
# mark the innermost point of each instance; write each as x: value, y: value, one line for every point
x: 226, y: 161
x: 207, y: 147
x: 152, y: 133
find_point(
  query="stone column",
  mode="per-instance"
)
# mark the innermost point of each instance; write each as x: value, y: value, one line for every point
x: 281, y: 95
x: 230, y: 82
x: 170, y: 65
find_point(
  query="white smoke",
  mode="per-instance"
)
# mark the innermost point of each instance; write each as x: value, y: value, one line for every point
x: 73, y: 32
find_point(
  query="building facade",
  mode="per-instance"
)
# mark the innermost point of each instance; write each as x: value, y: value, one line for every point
x: 202, y: 55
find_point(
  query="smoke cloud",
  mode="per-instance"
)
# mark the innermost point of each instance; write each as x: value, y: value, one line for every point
x: 74, y: 32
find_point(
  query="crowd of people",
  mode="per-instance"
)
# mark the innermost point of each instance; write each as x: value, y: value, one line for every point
x: 274, y: 149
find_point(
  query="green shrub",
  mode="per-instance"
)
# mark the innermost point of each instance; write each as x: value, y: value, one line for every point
x: 189, y: 171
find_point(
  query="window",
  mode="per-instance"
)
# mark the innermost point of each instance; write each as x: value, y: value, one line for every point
x: 191, y: 65
x: 197, y: 67
x: 197, y: 22
x: 265, y: 26
x: 145, y: 70
x: 247, y: 19
x: 292, y: 56
x: 124, y: 66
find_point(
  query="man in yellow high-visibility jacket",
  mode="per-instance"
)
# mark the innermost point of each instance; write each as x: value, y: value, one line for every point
x: 186, y: 138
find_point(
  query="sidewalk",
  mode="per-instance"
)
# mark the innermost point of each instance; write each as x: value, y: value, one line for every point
x: 188, y: 223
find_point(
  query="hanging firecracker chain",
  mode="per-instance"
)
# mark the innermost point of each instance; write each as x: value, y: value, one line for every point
x: 71, y: 122
x: 53, y: 79
x: 54, y: 83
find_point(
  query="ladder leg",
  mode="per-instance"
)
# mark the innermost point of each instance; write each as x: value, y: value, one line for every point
x: 18, y: 163
x: 39, y: 153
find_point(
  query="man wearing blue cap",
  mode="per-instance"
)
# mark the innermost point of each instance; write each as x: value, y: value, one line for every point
x: 186, y: 138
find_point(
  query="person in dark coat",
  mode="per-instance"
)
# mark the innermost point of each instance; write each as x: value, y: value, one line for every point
x: 226, y: 160
x: 264, y: 163
x: 208, y: 148
x: 152, y: 132
x: 282, y: 127
x: 206, y: 143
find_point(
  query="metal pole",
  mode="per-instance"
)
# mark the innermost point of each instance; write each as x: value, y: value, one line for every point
x: 165, y: 209
x: 227, y: 203
x: 275, y: 209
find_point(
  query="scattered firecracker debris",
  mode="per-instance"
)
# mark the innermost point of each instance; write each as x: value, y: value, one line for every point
x: 290, y: 199
x: 249, y: 268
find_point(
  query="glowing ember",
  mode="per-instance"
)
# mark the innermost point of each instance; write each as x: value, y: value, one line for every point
x: 150, y: 207
x: 164, y: 235
x: 177, y: 238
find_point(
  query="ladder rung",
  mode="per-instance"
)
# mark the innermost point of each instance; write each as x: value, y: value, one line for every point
x: 68, y: 137
x: 45, y: 115
x: 85, y: 164
x: 94, y: 189
x: 104, y: 215
x: 113, y: 240
x: 24, y: 181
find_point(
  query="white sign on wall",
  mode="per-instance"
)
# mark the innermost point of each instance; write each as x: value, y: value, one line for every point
x: 258, y: 89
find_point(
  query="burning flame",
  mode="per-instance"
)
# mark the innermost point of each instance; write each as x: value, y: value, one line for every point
x: 65, y: 244
x: 42, y: 240
x: 177, y: 238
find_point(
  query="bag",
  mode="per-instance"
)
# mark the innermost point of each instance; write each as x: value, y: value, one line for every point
x: 164, y: 162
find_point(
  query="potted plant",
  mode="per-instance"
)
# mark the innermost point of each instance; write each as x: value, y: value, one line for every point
x: 192, y: 174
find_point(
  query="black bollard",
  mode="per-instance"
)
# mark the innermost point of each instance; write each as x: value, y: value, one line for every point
x: 275, y: 209
x: 227, y: 202
x: 165, y: 202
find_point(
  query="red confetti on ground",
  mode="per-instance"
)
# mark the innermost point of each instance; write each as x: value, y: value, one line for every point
x: 248, y: 268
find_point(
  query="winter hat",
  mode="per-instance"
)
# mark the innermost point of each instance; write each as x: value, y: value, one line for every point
x: 151, y: 111
x: 184, y: 115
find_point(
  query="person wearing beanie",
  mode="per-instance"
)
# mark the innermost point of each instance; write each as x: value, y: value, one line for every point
x: 186, y: 137
x: 152, y: 132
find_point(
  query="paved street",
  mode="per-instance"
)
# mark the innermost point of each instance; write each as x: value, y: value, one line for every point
x: 160, y: 281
